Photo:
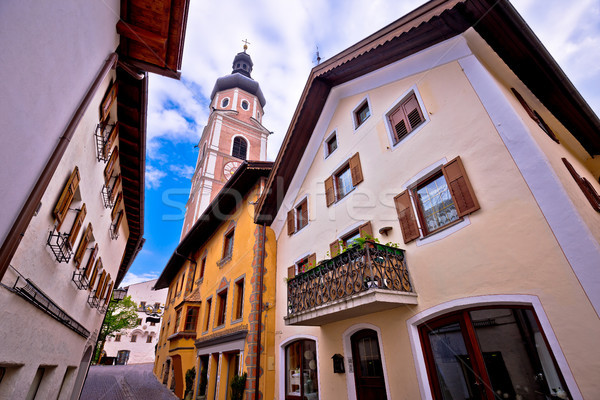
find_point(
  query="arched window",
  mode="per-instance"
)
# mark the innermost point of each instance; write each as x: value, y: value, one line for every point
x: 301, y: 370
x: 240, y: 148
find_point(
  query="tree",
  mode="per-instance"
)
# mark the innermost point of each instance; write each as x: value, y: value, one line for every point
x: 119, y: 315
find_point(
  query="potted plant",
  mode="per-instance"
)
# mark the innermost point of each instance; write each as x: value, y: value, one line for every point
x: 238, y: 386
x: 189, y: 383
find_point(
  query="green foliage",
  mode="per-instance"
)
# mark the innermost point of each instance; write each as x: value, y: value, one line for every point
x: 119, y: 315
x: 238, y: 385
x: 203, y: 381
x: 190, y: 374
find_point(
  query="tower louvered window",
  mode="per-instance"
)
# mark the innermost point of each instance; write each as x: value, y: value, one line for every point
x: 240, y: 148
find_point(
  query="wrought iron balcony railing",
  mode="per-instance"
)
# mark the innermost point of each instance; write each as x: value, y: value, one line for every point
x: 353, y: 272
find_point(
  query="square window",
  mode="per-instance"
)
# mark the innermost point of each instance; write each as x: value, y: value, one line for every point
x: 361, y: 114
x: 139, y: 321
x: 434, y: 203
x: 349, y: 239
x: 117, y: 338
x: 222, y: 306
x: 406, y: 117
x: 149, y: 339
x: 152, y: 323
x: 133, y: 338
x: 343, y: 182
x: 331, y: 145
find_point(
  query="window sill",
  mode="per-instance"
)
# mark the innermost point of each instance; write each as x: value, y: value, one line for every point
x: 337, y: 201
x: 223, y: 261
x: 445, y: 231
x: 237, y: 321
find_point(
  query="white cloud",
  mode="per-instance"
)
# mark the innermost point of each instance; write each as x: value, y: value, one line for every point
x: 183, y: 171
x: 153, y: 177
x: 131, y: 278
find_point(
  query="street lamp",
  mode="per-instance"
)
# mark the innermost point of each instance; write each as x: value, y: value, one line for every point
x: 119, y: 294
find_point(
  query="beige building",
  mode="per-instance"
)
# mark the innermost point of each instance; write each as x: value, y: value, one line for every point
x: 138, y: 345
x: 73, y: 118
x: 437, y: 218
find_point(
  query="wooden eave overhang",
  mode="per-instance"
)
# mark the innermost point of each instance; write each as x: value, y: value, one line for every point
x: 220, y: 210
x: 496, y: 21
x: 132, y: 104
x: 152, y: 35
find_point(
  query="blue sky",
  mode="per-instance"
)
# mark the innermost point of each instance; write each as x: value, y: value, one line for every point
x: 283, y: 37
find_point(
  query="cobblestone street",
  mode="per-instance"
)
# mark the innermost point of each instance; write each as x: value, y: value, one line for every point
x: 124, y: 382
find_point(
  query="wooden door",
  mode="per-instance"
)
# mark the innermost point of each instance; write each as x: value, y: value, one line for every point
x: 368, y: 367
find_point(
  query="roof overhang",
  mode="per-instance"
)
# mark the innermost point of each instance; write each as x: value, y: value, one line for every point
x: 496, y: 21
x: 221, y: 209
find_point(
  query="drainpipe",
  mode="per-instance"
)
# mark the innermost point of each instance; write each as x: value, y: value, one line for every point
x: 260, y: 308
x: 17, y: 231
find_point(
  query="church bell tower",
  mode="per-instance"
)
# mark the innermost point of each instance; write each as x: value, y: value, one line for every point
x: 233, y: 133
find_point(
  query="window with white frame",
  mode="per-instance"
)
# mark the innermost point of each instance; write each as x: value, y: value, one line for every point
x: 343, y: 180
x: 439, y: 200
x: 297, y: 217
x: 330, y: 144
x: 405, y: 117
x: 361, y: 113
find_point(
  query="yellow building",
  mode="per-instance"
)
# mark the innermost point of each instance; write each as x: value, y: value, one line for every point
x: 216, y: 313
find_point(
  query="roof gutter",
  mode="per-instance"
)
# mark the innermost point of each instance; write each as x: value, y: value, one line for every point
x: 17, y: 231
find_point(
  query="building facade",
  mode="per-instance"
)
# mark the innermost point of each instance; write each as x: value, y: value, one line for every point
x: 218, y: 320
x: 72, y: 219
x: 138, y: 345
x: 437, y: 219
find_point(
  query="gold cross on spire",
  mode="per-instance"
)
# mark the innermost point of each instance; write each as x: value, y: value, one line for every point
x: 246, y: 43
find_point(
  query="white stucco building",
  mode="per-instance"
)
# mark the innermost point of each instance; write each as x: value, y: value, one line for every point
x: 136, y: 346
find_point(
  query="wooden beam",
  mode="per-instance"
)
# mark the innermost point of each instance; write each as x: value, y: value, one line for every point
x: 141, y: 35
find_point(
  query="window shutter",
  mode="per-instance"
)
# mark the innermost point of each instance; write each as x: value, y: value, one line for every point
x: 399, y: 123
x: 100, y: 284
x: 110, y: 165
x: 97, y: 267
x: 89, y: 265
x: 304, y: 212
x: 356, y: 170
x: 334, y: 248
x: 291, y: 222
x: 77, y: 226
x: 108, y: 101
x: 585, y: 186
x: 118, y: 223
x: 460, y: 187
x: 329, y: 192
x: 117, y: 206
x: 110, y: 141
x: 312, y: 260
x: 115, y: 188
x: 542, y: 124
x: 87, y: 237
x: 109, y: 291
x: 66, y: 197
x: 524, y: 104
x: 291, y: 272
x: 413, y: 111
x: 365, y: 229
x: 406, y: 216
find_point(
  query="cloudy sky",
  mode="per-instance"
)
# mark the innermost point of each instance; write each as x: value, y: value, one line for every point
x: 283, y: 37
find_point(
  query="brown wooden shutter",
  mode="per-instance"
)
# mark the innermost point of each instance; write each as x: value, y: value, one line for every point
x: 523, y: 103
x: 109, y: 291
x: 77, y: 226
x: 90, y: 263
x: 108, y: 101
x: 117, y: 206
x: 312, y: 260
x: 97, y: 267
x: 366, y: 230
x: 413, y: 111
x: 118, y: 223
x: 584, y: 185
x: 542, y: 124
x: 110, y: 141
x: 329, y: 192
x: 291, y: 272
x: 406, y: 216
x: 406, y: 117
x: 399, y: 124
x: 110, y: 165
x: 460, y: 187
x: 291, y: 222
x: 356, y: 170
x: 334, y: 248
x: 100, y: 284
x: 66, y: 197
x: 87, y: 237
x: 115, y: 188
x: 304, y: 212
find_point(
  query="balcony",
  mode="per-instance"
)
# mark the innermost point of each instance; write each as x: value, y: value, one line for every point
x: 357, y: 282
